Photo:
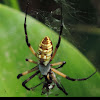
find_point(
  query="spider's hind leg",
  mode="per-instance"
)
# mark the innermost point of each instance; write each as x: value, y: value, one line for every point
x: 59, y: 39
x: 26, y: 36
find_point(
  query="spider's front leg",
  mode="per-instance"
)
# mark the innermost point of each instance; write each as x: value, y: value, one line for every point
x: 69, y: 78
x: 24, y: 83
x: 41, y: 77
x: 60, y: 86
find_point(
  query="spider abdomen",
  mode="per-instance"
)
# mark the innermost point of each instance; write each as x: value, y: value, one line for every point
x: 45, y: 50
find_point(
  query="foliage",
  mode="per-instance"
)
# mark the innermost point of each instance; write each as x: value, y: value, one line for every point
x: 12, y: 3
x: 14, y: 51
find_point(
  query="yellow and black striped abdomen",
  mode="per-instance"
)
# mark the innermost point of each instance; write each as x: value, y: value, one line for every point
x: 45, y: 50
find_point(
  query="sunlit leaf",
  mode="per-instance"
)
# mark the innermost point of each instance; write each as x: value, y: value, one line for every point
x: 14, y: 51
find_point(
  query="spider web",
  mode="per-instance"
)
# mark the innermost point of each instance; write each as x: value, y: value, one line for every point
x: 74, y: 15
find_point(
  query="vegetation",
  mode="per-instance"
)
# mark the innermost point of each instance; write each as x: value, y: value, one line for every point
x: 14, y: 51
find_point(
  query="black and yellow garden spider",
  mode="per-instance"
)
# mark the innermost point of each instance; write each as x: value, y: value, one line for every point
x: 45, y: 55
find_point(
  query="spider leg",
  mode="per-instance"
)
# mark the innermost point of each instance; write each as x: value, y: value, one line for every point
x: 36, y: 86
x: 24, y: 83
x: 59, y: 40
x: 59, y: 63
x: 26, y: 72
x: 25, y: 29
x: 45, y: 89
x: 29, y: 60
x: 47, y: 85
x: 41, y: 77
x: 60, y: 86
x: 72, y: 79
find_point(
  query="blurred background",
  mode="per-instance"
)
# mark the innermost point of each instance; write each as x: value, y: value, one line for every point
x: 81, y: 19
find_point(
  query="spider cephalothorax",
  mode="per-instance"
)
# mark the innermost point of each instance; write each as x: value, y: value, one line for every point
x: 45, y: 55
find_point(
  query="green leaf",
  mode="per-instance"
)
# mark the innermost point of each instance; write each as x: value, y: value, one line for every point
x: 12, y: 3
x: 14, y: 51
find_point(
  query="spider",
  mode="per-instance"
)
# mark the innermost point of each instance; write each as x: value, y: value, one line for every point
x: 45, y: 55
